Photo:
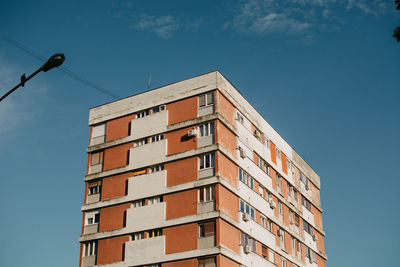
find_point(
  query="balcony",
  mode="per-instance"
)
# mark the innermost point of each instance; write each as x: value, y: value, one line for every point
x: 205, y: 173
x: 91, y: 229
x: 257, y: 201
x: 204, y: 207
x: 145, y: 251
x: 152, y: 184
x: 150, y: 125
x: 95, y: 168
x: 308, y: 215
x: 205, y: 141
x: 88, y: 261
x: 206, y: 242
x: 97, y: 140
x: 149, y: 154
x: 202, y: 111
x: 93, y: 198
x: 145, y: 217
x: 257, y: 231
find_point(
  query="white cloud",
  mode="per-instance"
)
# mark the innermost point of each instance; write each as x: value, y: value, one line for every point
x: 295, y: 16
x: 163, y: 26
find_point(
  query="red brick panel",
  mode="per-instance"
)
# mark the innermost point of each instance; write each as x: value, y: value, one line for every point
x: 118, y: 128
x: 113, y: 217
x: 182, y: 110
x: 178, y: 141
x: 181, y: 171
x: 181, y: 204
x: 114, y: 186
x: 111, y: 249
x: 181, y: 238
x: 115, y: 157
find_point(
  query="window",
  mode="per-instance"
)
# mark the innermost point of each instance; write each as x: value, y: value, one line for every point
x: 296, y: 219
x: 306, y: 203
x: 278, y: 181
x: 295, y: 195
x: 278, y: 153
x: 282, y: 237
x: 264, y: 252
x: 247, y: 240
x: 259, y: 162
x: 138, y: 203
x: 154, y: 200
x: 98, y: 132
x: 154, y: 233
x: 137, y: 236
x: 271, y: 255
x: 206, y: 99
x: 293, y: 243
x: 246, y: 208
x: 283, y: 263
x: 262, y: 221
x: 260, y: 190
x: 207, y: 262
x: 298, y: 246
x: 90, y: 248
x: 310, y: 254
x: 206, y: 229
x: 141, y: 142
x: 303, y: 178
x: 206, y: 129
x: 156, y: 168
x: 268, y: 142
x: 288, y: 165
x: 206, y: 194
x: 280, y: 210
x: 157, y: 109
x: 92, y: 217
x: 96, y: 158
x: 142, y: 114
x: 307, y: 227
x: 258, y: 135
x: 246, y: 178
x: 269, y: 226
x: 156, y: 138
x: 94, y: 188
x: 207, y: 161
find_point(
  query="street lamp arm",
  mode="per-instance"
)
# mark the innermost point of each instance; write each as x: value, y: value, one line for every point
x: 54, y: 61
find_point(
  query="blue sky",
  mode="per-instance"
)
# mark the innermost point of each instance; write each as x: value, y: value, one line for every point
x: 324, y: 73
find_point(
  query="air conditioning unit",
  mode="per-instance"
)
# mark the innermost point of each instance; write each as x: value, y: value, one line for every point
x: 315, y: 238
x: 192, y: 132
x: 246, y: 217
x: 280, y: 232
x: 272, y: 204
x: 247, y: 249
x: 307, y: 187
x: 242, y: 153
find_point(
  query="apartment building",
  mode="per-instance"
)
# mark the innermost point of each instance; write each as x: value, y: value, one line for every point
x: 190, y: 175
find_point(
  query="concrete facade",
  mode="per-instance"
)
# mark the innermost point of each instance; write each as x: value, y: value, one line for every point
x: 190, y: 174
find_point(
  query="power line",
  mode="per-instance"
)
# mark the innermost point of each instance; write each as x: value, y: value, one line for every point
x: 67, y: 71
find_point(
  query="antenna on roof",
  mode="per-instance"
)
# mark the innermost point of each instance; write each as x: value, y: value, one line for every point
x: 148, y: 86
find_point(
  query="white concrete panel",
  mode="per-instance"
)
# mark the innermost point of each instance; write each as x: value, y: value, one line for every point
x: 95, y: 168
x: 205, y: 141
x: 92, y: 198
x: 308, y: 216
x: 90, y: 229
x: 209, y: 172
x: 145, y: 217
x: 144, y: 251
x: 310, y: 242
x: 152, y: 184
x: 254, y: 260
x: 97, y: 140
x: 88, y: 260
x: 150, y: 125
x: 257, y: 201
x: 258, y: 232
x: 247, y: 137
x: 205, y: 207
x: 206, y: 242
x: 147, y: 155
x: 203, y: 111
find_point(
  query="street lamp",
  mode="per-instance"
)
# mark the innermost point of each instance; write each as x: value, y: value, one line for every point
x: 54, y: 61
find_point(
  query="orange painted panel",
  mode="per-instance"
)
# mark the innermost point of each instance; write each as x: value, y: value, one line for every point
x: 284, y: 162
x: 178, y: 141
x: 226, y: 168
x: 225, y: 107
x: 112, y: 217
x: 118, y: 128
x: 225, y: 137
x: 184, y: 263
x: 182, y: 110
x: 273, y: 151
x: 228, y: 235
x: 317, y: 216
x: 227, y: 201
x: 114, y: 186
x: 223, y: 261
x: 181, y: 204
x: 181, y: 171
x: 111, y: 250
x: 181, y: 238
x: 115, y: 157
